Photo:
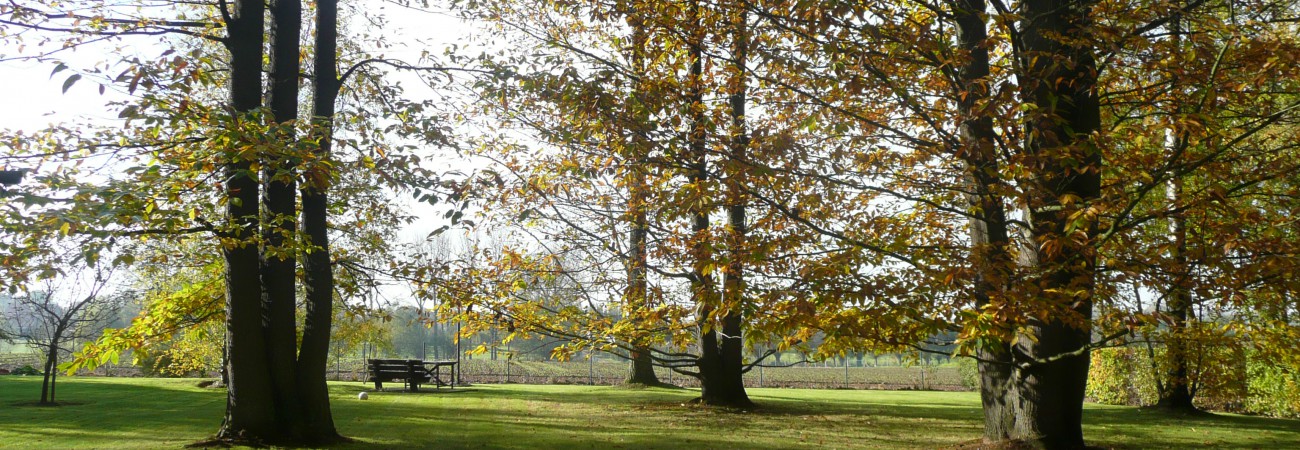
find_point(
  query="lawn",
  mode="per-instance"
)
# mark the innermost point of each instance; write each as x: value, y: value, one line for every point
x: 169, y: 413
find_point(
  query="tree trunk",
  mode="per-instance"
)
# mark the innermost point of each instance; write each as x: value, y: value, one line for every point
x: 250, y: 407
x: 726, y: 384
x: 51, y: 360
x: 1052, y: 355
x: 643, y: 369
x: 313, y: 358
x: 279, y: 289
x: 717, y: 387
x: 721, y: 366
x: 1175, y: 390
x: 990, y: 239
x: 1176, y: 394
x: 642, y: 365
x: 54, y: 376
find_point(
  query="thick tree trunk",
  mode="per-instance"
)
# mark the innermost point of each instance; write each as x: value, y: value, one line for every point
x: 721, y: 366
x: 997, y: 393
x: 725, y: 386
x: 990, y: 240
x: 250, y: 406
x: 1052, y: 356
x: 279, y: 289
x: 313, y: 358
x: 642, y: 370
x: 1049, y: 397
x: 717, y: 386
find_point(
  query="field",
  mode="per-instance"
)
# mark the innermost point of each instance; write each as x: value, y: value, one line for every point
x: 169, y: 413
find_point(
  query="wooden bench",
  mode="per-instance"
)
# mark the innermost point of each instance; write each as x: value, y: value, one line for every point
x: 412, y: 372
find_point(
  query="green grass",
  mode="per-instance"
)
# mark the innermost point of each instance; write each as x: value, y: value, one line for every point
x: 168, y: 413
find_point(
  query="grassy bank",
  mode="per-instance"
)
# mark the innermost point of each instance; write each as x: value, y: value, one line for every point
x: 168, y: 413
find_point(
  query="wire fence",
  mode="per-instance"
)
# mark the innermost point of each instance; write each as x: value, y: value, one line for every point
x: 610, y: 372
x: 587, y: 372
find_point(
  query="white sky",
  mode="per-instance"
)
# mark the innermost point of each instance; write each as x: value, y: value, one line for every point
x: 33, y: 100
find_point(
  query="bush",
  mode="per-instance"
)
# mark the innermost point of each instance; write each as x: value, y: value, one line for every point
x: 1228, y: 379
x: 1121, y: 376
x: 26, y: 369
x: 1271, y: 389
x: 969, y: 371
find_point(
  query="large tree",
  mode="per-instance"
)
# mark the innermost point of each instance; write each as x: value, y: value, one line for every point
x: 251, y: 409
x: 661, y: 125
x: 189, y: 152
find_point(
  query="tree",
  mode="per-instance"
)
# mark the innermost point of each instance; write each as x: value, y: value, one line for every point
x: 625, y: 128
x: 65, y: 312
x: 642, y: 366
x: 278, y: 211
x: 174, y: 176
x: 251, y: 411
x: 1048, y: 142
x: 721, y: 363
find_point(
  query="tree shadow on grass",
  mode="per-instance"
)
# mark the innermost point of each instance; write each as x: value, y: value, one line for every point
x: 1133, y: 416
x: 158, y: 413
x: 38, y: 404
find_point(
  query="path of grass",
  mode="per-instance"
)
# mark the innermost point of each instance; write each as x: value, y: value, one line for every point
x: 168, y: 413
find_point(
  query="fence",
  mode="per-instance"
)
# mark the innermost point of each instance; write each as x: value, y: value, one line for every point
x: 613, y: 372
x: 608, y: 372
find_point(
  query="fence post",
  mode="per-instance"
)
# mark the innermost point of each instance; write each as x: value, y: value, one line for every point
x: 760, y: 376
x: 591, y: 371
x: 846, y: 371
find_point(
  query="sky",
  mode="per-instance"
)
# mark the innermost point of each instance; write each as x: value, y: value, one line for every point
x: 39, y: 100
x: 34, y: 100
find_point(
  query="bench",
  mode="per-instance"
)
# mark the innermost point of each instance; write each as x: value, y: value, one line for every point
x: 412, y: 372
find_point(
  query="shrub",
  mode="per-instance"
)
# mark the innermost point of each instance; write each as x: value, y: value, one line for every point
x: 1121, y: 376
x: 969, y: 371
x: 1271, y: 389
x: 26, y: 369
x: 1125, y: 376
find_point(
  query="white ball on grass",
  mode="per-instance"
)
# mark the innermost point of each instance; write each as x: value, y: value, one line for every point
x: 363, y: 396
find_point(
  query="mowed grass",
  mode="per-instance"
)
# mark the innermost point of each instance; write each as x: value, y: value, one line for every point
x: 169, y: 413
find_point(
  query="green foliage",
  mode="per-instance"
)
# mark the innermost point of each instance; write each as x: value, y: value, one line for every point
x: 194, y: 350
x: 26, y: 369
x: 180, y: 318
x: 968, y: 370
x: 1272, y: 390
x: 1121, y: 376
x: 1227, y: 379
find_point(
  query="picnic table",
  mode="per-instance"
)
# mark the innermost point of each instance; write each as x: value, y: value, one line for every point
x: 412, y: 372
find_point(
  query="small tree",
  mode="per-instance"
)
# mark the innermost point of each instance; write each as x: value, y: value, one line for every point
x: 67, y: 310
